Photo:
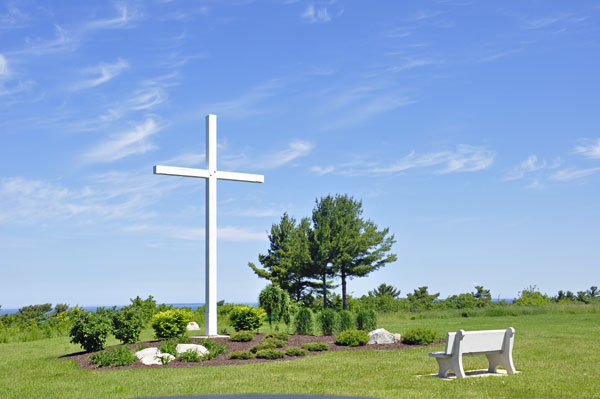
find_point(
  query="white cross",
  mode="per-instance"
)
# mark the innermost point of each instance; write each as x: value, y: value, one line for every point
x: 211, y: 175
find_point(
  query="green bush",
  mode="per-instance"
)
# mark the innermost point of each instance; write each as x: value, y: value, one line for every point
x: 276, y: 343
x: 246, y: 318
x: 171, y: 323
x: 262, y: 346
x: 316, y: 346
x: 304, y: 322
x: 282, y: 335
x: 241, y: 355
x: 328, y: 321
x: 89, y: 330
x: 127, y: 325
x: 242, y: 336
x: 346, y: 321
x: 214, y: 348
x: 169, y: 346
x: 366, y: 320
x: 269, y: 354
x: 294, y: 351
x: 190, y: 356
x: 352, y: 338
x: 419, y: 336
x: 121, y: 356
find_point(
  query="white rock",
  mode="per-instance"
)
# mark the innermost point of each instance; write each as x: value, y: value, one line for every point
x: 150, y: 356
x: 200, y: 350
x: 397, y: 337
x: 192, y: 326
x: 381, y: 336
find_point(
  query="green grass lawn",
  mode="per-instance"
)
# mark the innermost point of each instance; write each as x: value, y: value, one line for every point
x: 558, y: 356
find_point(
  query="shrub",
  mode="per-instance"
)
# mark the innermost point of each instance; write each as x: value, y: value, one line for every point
x: 346, y: 320
x: 276, y: 302
x: 89, y: 330
x: 329, y: 321
x: 246, y: 318
x: 262, y: 346
x: 127, y: 325
x: 214, y: 348
x: 419, y: 336
x: 169, y: 346
x: 242, y: 336
x: 304, y: 322
x: 269, y: 354
x: 120, y: 356
x: 171, y: 323
x: 282, y: 335
x: 241, y: 355
x: 190, y: 356
x: 294, y: 351
x: 366, y: 320
x: 164, y: 359
x: 315, y: 346
x: 352, y: 338
x: 277, y: 343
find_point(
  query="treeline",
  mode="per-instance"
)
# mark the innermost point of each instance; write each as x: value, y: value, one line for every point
x: 307, y: 257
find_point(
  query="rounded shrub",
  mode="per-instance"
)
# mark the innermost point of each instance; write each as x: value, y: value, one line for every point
x: 89, y: 330
x: 282, y: 335
x: 366, y: 320
x: 246, y: 318
x: 304, y: 322
x: 241, y: 355
x: 277, y: 343
x: 269, y: 354
x: 262, y: 346
x: 316, y: 346
x: 419, y: 336
x: 127, y: 325
x: 294, y: 351
x: 352, y: 338
x: 328, y: 321
x: 171, y: 323
x: 346, y: 320
x: 190, y: 356
x: 242, y: 336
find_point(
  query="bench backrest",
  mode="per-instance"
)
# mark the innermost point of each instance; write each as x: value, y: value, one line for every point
x: 479, y: 341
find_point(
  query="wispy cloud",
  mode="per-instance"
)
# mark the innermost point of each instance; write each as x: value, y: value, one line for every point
x: 589, y: 148
x: 63, y: 41
x: 295, y: 150
x: 249, y: 103
x: 529, y: 165
x: 104, y: 72
x: 465, y: 158
x: 226, y: 233
x: 128, y: 143
x: 13, y: 17
x: 125, y: 16
x: 573, y: 174
x: 8, y: 83
x: 313, y: 14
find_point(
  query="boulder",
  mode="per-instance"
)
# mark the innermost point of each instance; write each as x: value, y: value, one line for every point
x: 398, y: 337
x: 200, y: 350
x: 150, y: 356
x: 381, y: 336
x: 192, y: 326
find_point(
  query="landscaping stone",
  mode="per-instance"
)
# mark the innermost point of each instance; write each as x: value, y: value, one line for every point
x: 192, y: 326
x: 150, y: 356
x: 398, y: 337
x: 200, y: 350
x: 381, y: 336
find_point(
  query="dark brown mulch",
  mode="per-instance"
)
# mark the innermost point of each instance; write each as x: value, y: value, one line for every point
x: 83, y: 361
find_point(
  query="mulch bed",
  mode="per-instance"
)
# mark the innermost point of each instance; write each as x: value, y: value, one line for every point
x: 83, y: 361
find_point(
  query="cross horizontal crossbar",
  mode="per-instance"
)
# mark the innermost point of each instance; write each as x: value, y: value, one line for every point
x: 205, y: 174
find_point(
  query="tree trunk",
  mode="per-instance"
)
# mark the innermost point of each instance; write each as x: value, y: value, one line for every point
x: 344, y: 301
x: 324, y: 290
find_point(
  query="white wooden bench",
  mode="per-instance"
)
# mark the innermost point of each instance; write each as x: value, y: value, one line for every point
x: 495, y: 344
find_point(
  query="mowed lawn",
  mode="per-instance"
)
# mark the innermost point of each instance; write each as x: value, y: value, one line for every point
x: 558, y: 356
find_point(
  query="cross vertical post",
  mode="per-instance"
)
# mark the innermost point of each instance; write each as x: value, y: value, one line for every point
x: 210, y: 303
x: 211, y: 174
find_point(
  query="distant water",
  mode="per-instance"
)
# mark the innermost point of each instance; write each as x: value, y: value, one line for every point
x: 192, y: 306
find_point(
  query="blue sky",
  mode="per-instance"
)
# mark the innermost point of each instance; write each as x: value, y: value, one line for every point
x: 470, y: 129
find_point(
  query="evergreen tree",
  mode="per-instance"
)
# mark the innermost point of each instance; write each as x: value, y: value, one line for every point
x: 287, y: 262
x: 385, y: 289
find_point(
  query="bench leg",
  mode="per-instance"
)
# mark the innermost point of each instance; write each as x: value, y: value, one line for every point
x: 450, y: 363
x: 503, y: 359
